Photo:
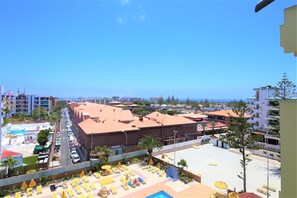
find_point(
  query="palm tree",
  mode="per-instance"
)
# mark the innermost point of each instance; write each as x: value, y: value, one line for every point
x: 203, y: 124
x: 213, y: 124
x: 9, y: 163
x: 150, y: 142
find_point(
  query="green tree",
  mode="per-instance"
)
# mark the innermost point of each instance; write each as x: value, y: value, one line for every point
x: 39, y: 113
x: 102, y: 149
x: 285, y: 88
x: 149, y: 142
x: 182, y: 163
x: 241, y: 136
x: 160, y: 101
x: 9, y: 163
x: 203, y: 124
x: 54, y: 118
x: 42, y: 137
x: 213, y: 125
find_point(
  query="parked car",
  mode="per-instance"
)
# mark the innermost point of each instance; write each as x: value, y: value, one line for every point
x: 75, y: 158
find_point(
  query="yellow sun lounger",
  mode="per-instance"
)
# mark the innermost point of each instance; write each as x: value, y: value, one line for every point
x: 70, y: 192
x: 93, y: 187
x: 125, y: 185
x: 113, y: 190
x: 114, y: 170
x: 54, y: 195
x: 161, y: 173
x: 269, y: 187
x: 29, y: 192
x: 85, y: 178
x: 132, y: 173
x: 7, y: 196
x: 90, y: 195
x: 121, y: 169
x: 82, y: 196
x: 73, y: 183
x: 78, y: 190
x: 77, y: 181
x: 18, y: 195
x: 154, y: 170
x: 39, y: 189
x: 97, y: 175
x: 87, y: 188
x: 125, y: 167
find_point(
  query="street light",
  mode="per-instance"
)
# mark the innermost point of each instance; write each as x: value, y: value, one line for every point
x: 267, y: 156
x: 262, y: 4
x: 175, y: 132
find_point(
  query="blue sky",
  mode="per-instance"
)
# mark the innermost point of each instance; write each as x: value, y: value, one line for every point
x: 201, y: 49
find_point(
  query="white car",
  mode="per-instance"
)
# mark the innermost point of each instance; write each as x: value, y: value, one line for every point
x: 75, y: 158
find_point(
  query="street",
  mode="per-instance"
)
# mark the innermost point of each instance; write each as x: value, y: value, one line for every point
x: 64, y: 151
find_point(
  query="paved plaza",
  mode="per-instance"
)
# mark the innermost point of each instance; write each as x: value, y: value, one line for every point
x: 215, y: 164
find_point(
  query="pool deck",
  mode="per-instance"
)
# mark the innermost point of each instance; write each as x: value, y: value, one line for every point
x: 154, y: 183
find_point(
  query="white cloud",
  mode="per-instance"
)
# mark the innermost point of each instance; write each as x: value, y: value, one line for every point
x: 125, y: 2
x: 120, y: 20
x: 141, y: 17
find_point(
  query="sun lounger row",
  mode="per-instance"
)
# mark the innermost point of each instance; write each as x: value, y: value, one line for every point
x: 263, y: 191
x: 269, y: 187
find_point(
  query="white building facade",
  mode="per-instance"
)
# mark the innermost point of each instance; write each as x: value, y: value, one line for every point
x: 259, y: 104
x: 13, y: 104
x: 261, y: 116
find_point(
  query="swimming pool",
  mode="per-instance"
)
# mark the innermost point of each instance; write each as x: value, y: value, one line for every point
x: 160, y: 194
x: 18, y: 132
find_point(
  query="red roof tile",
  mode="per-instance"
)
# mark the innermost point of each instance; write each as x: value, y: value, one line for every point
x: 7, y: 153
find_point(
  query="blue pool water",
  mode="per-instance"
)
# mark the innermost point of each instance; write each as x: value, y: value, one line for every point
x: 160, y: 194
x: 17, y: 132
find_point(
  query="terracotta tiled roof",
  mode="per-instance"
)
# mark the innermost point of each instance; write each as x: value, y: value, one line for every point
x: 72, y: 105
x: 145, y: 123
x: 192, y: 115
x: 225, y: 113
x: 103, y: 112
x: 89, y: 126
x: 218, y: 125
x: 8, y: 153
x: 168, y: 120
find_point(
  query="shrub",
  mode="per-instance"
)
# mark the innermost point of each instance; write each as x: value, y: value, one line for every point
x: 43, y: 180
x: 135, y: 160
x: 31, y: 171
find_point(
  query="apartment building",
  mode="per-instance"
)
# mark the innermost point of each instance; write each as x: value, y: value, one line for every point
x: 265, y: 116
x: 8, y: 103
x: 23, y: 103
x: 96, y: 124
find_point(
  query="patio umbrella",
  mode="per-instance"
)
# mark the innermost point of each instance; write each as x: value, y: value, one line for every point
x: 127, y: 177
x: 151, y: 162
x: 105, y: 167
x: 221, y: 185
x: 24, y: 186
x: 82, y: 174
x: 63, y: 194
x: 233, y: 195
x: 158, y: 166
x: 163, y: 156
x: 32, y: 183
x: 119, y: 165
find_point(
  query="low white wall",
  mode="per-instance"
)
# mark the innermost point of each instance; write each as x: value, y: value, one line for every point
x: 264, y: 153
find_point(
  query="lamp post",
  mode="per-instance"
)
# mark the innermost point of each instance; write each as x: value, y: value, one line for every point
x: 175, y: 132
x: 267, y: 156
x: 126, y: 140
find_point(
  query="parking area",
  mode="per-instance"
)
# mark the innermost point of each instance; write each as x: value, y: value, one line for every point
x: 216, y: 164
